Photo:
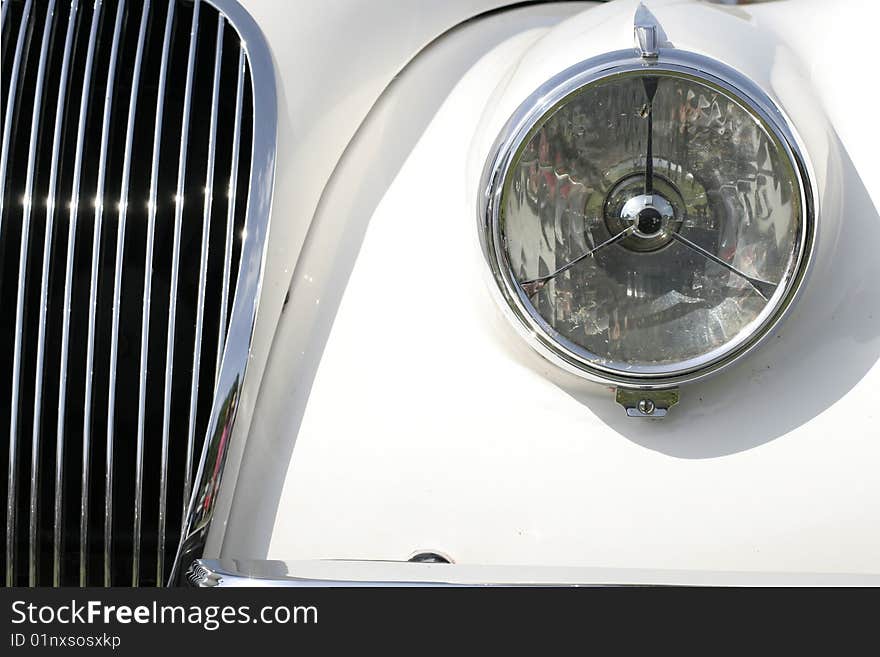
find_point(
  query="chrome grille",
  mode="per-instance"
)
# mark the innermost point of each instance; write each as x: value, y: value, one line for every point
x: 126, y: 125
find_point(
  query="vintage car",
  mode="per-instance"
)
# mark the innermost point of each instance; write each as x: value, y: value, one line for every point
x: 461, y: 292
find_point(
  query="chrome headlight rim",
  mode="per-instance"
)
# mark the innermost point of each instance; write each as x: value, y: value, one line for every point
x: 528, y: 119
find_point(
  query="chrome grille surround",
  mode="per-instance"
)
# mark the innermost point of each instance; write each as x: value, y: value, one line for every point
x: 122, y: 82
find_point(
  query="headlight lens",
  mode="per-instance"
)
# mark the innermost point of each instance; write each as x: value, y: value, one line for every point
x: 651, y: 224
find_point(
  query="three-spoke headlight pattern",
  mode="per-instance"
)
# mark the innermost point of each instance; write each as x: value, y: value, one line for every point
x: 647, y: 223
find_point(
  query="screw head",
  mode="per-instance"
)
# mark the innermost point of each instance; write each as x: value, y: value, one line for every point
x: 646, y: 407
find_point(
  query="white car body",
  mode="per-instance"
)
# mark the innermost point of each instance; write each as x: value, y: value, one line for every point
x: 390, y: 408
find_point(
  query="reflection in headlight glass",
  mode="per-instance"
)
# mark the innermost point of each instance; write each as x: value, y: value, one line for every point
x: 651, y: 299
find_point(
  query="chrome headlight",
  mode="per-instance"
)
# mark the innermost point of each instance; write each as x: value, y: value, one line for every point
x: 647, y: 220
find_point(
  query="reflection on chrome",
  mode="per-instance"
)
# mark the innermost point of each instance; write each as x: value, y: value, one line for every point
x: 688, y: 203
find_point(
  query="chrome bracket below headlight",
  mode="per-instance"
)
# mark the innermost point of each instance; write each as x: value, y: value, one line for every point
x: 646, y: 403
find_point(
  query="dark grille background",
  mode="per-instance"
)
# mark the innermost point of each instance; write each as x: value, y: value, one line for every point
x: 18, y: 444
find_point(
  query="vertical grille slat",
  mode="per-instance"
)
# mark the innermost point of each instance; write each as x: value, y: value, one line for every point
x: 117, y: 290
x: 99, y: 202
x: 148, y: 281
x: 12, y: 482
x: 113, y: 109
x: 71, y: 244
x: 230, y: 213
x: 52, y: 204
x: 179, y: 199
x: 10, y: 101
x: 28, y: 203
x: 203, y: 261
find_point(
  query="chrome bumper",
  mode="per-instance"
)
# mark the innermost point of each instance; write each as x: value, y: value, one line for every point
x: 342, y: 573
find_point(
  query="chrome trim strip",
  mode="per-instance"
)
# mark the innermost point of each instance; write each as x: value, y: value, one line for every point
x: 117, y: 289
x: 71, y: 235
x: 172, y: 295
x: 93, y: 286
x: 215, y: 573
x: 203, y: 267
x: 212, y: 573
x: 230, y: 213
x: 28, y: 203
x: 246, y: 300
x: 10, y: 107
x: 12, y: 481
x: 44, y: 289
x: 148, y: 281
x: 236, y: 573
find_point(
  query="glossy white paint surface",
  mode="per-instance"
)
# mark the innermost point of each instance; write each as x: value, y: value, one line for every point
x: 333, y: 59
x: 421, y: 421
